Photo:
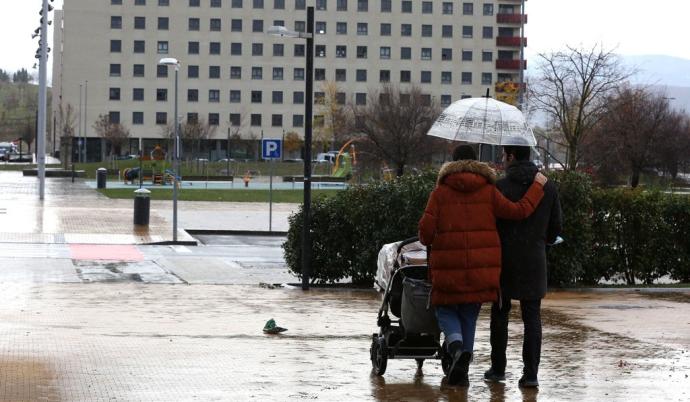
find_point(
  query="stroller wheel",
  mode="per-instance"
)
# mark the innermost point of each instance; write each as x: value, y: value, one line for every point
x: 420, y: 363
x: 379, y: 355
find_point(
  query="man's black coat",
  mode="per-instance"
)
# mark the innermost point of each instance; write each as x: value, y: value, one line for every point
x: 523, y: 243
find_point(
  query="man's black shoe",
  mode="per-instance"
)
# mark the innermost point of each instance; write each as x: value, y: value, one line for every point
x: 528, y: 382
x: 459, y: 370
x: 492, y: 375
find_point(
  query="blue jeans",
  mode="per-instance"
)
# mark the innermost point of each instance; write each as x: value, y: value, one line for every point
x: 458, y: 323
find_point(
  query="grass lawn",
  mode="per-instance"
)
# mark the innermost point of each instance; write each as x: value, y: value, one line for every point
x: 290, y: 196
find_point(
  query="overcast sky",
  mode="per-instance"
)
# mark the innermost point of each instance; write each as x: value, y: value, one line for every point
x: 633, y: 27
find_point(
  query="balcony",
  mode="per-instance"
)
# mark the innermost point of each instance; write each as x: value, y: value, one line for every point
x: 510, y: 64
x: 511, y: 41
x: 503, y: 18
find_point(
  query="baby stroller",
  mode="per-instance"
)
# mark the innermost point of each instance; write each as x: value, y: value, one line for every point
x: 402, y: 275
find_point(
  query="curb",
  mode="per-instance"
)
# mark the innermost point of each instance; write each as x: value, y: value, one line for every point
x: 215, y: 232
x: 173, y: 243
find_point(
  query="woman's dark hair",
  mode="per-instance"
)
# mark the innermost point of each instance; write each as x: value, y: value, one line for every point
x: 519, y: 153
x: 463, y: 152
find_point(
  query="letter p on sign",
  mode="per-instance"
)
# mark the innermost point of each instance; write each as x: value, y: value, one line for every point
x: 271, y: 149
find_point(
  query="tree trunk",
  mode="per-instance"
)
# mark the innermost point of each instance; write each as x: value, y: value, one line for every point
x: 635, y: 178
x: 572, y: 156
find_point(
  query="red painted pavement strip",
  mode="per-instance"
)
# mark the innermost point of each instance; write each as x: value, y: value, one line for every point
x: 105, y: 252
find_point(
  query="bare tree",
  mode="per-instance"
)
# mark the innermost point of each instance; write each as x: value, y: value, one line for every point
x: 395, y: 124
x: 195, y: 131
x: 572, y: 90
x: 673, y: 149
x: 332, y: 126
x: 115, y: 134
x: 66, y: 119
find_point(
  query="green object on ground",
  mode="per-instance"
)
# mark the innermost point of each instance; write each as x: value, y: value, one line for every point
x: 272, y: 328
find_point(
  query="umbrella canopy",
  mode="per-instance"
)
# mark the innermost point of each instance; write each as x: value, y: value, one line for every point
x: 483, y: 121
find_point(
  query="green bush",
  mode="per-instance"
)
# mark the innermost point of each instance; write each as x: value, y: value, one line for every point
x: 676, y: 214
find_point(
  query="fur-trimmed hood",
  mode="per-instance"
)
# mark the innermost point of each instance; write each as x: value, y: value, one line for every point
x: 466, y: 175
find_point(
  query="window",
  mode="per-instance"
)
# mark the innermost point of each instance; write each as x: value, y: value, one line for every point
x: 320, y: 27
x: 115, y: 2
x: 362, y: 28
x: 137, y: 117
x: 363, y: 5
x: 361, y: 75
x: 406, y: 6
x: 341, y: 5
x: 427, y: 7
x: 114, y: 94
x: 278, y: 49
x: 236, y: 25
x: 340, y: 74
x: 192, y: 95
x: 299, y: 50
x: 161, y: 71
x: 321, y: 5
x: 214, y: 95
x: 114, y: 70
x: 427, y: 31
x: 257, y: 73
x: 466, y: 78
x: 163, y: 3
x: 235, y: 119
x: 446, y: 54
x: 319, y: 98
x: 426, y: 53
x: 298, y: 97
x: 467, y: 8
x: 341, y: 28
x: 138, y: 70
x: 487, y: 78
x: 360, y: 98
x: 487, y: 56
x: 139, y: 46
x: 213, y: 119
x: 341, y: 51
x: 256, y: 96
x: 300, y: 26
x: 426, y: 77
x: 116, y: 22
x: 385, y: 52
x: 405, y: 29
x: 446, y: 77
x: 300, y: 4
x: 277, y: 120
x: 213, y: 71
x: 319, y: 74
x: 216, y: 3
x: 340, y: 98
x: 277, y: 73
x: 405, y: 53
x: 192, y: 118
x: 161, y: 118
x: 466, y: 31
x: 257, y: 25
x: 192, y: 47
x: 235, y: 96
x: 214, y: 48
x: 487, y: 32
x: 361, y: 52
x: 445, y: 100
x: 405, y: 76
x: 236, y: 49
x: 277, y: 97
x: 447, y: 31
x: 385, y: 29
x: 114, y: 117
x: 298, y: 74
x: 162, y: 47
x: 447, y: 8
x: 258, y: 4
x: 488, y: 9
x: 215, y: 24
x: 255, y: 120
x: 279, y: 4
x: 236, y: 72
x: 297, y: 120
x: 162, y: 95
x: 384, y: 75
x: 386, y: 6
x: 320, y: 51
x: 194, y: 3
x: 257, y: 49
x: 115, y: 46
x: 139, y: 22
x: 193, y: 24
x: 163, y: 23
x: 139, y: 2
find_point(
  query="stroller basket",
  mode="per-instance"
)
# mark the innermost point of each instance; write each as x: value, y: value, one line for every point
x: 416, y: 313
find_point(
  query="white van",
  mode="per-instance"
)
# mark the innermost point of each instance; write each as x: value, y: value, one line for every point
x: 325, y: 157
x: 7, y: 148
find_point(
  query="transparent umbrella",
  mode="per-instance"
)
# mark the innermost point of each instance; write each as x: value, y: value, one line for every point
x: 483, y: 121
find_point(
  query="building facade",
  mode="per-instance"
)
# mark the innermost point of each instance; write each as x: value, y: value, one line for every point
x: 244, y: 83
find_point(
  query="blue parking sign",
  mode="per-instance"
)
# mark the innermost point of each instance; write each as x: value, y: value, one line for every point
x: 271, y: 149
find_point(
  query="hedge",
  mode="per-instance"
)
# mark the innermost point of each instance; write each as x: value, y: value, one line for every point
x: 625, y: 234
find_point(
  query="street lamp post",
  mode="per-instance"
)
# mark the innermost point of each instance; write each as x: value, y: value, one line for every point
x: 308, y: 104
x: 169, y: 61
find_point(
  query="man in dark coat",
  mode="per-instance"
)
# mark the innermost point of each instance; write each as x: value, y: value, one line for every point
x: 523, y: 274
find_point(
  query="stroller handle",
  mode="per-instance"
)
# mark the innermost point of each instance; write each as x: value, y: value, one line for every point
x: 406, y: 242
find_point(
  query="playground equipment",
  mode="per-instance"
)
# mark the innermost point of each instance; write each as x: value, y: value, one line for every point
x: 349, y: 160
x: 152, y: 169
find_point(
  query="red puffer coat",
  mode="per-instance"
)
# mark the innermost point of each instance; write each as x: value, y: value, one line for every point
x: 460, y: 225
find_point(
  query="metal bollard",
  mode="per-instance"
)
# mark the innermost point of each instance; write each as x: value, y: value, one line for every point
x: 101, y: 175
x: 142, y: 205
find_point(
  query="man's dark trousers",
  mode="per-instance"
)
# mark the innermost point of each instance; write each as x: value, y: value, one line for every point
x: 531, y: 344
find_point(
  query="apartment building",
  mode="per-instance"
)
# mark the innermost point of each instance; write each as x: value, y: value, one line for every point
x: 241, y: 81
